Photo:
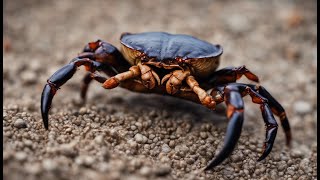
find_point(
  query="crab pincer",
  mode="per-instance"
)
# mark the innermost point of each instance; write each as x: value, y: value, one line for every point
x: 53, y: 84
x: 59, y: 78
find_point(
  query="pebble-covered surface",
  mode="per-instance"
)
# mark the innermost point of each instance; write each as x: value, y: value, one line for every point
x: 118, y: 134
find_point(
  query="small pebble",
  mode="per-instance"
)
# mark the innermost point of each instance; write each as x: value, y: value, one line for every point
x: 145, y: 171
x: 296, y: 153
x: 238, y: 24
x: 99, y: 139
x: 190, y: 161
x: 171, y: 144
x: 83, y: 110
x: 133, y: 127
x: 21, y: 156
x: 84, y: 160
x: 139, y: 138
x: 165, y: 148
x: 302, y: 107
x: 152, y: 136
x: 162, y: 170
x: 29, y: 77
x: 20, y: 123
x: 203, y: 135
x: 49, y: 164
x: 34, y: 168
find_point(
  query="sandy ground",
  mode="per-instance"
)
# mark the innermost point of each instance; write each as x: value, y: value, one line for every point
x: 118, y: 134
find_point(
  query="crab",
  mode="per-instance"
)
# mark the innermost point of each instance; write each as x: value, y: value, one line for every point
x: 177, y: 65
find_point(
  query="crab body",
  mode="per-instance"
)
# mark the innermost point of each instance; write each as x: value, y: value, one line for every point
x: 178, y: 65
x: 169, y: 51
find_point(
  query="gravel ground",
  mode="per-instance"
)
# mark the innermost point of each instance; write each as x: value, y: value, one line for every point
x: 124, y: 135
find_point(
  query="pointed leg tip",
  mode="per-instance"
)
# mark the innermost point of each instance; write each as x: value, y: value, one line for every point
x: 46, y: 100
x: 212, y: 164
x: 261, y: 158
x: 266, y: 152
x: 45, y: 121
x: 288, y: 139
x: 207, y: 168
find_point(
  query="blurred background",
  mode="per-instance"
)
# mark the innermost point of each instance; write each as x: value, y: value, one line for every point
x: 277, y: 40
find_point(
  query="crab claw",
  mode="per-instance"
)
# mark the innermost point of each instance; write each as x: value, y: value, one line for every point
x: 271, y: 130
x: 271, y: 135
x: 235, y: 115
x: 54, y: 82
x: 46, y: 99
x: 231, y: 139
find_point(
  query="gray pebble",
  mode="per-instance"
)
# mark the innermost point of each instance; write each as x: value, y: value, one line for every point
x: 165, y: 148
x: 152, y: 136
x: 190, y: 160
x: 236, y: 157
x: 238, y: 24
x: 296, y: 153
x: 20, y: 123
x: 304, y: 165
x: 282, y: 166
x: 203, y: 135
x: 284, y: 158
x: 49, y: 164
x: 162, y: 170
x: 83, y: 110
x: 302, y: 107
x: 145, y: 171
x: 290, y: 172
x: 132, y: 144
x: 34, y: 168
x: 139, y: 138
x: 172, y: 143
x: 28, y: 143
x: 84, y: 160
x: 29, y: 77
x: 21, y: 156
x: 99, y: 139
x: 104, y: 167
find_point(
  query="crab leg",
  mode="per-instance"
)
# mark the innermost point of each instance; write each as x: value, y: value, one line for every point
x: 279, y: 111
x: 231, y: 74
x: 58, y: 79
x: 87, y: 79
x: 271, y: 130
x: 204, y: 97
x: 85, y: 85
x: 174, y: 80
x: 269, y: 120
x: 148, y: 76
x: 114, y: 81
x: 235, y: 106
x: 273, y: 104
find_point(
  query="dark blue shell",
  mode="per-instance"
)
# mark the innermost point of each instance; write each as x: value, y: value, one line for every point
x: 169, y: 46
